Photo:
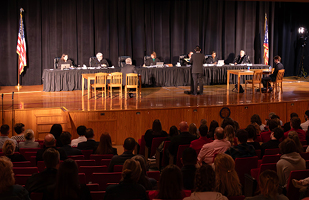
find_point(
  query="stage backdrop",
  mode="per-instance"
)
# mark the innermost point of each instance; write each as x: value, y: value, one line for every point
x: 81, y: 28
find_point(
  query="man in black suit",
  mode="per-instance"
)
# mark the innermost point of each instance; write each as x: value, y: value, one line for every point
x: 152, y: 60
x: 90, y: 144
x: 242, y: 58
x: 50, y: 142
x: 65, y: 138
x: 212, y: 59
x: 40, y: 181
x: 197, y: 61
x: 273, y: 76
x: 126, y: 69
x: 99, y: 61
x: 128, y: 146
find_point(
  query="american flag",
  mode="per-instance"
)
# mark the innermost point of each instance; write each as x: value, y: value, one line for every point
x: 21, y: 45
x: 265, y: 44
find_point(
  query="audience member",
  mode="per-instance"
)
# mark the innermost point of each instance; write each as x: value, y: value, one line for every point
x: 252, y: 136
x: 128, y: 188
x: 287, y: 126
x: 193, y: 129
x: 227, y: 121
x: 295, y: 126
x: 128, y: 146
x: 173, y: 132
x: 205, y: 180
x: 81, y: 131
x: 8, y: 149
x: 144, y: 180
x: 242, y: 149
x: 273, y: 143
x: 305, y: 125
x: 269, y: 184
x: 50, y: 142
x: 67, y: 184
x: 270, y: 126
x: 294, y: 136
x: 8, y: 189
x: 227, y: 181
x: 212, y: 127
x: 188, y: 160
x: 209, y: 150
x: 289, y: 161
x: 256, y: 119
x: 105, y: 145
x: 56, y: 131
x: 5, y: 131
x: 198, y: 143
x: 19, y: 130
x: 273, y: 115
x: 229, y: 133
x: 29, y: 140
x: 40, y: 181
x: 65, y: 138
x: 203, y: 122
x: 258, y: 132
x: 90, y: 144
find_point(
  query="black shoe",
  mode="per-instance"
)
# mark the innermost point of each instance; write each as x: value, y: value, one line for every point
x: 130, y: 95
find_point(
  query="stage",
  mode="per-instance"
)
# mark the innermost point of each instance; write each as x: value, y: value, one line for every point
x: 131, y: 117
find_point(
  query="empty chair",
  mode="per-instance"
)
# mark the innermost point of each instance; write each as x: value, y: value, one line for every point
x: 40, y: 165
x: 89, y: 170
x: 56, y: 60
x: 85, y: 162
x: 272, y: 151
x: 142, y: 146
x: 93, y: 186
x: 105, y: 162
x: 25, y: 170
x: 115, y: 82
x: 24, y: 150
x: 97, y: 195
x: 28, y: 155
x: 154, y: 145
x: 99, y: 82
x: 131, y: 83
x: 256, y: 79
x: 103, y: 178
x: 257, y: 152
x: 118, y: 168
x: 21, y: 179
x: 255, y: 173
x: 98, y: 157
x: 154, y: 174
x: 82, y: 178
x: 77, y: 157
x: 22, y: 164
x: 181, y: 148
x: 87, y: 154
x: 269, y: 159
x: 244, y: 165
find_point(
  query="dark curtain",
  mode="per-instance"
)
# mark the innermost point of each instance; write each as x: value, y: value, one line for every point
x: 81, y: 28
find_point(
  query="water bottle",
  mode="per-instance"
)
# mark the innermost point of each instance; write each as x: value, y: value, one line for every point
x: 269, y: 67
x: 248, y: 68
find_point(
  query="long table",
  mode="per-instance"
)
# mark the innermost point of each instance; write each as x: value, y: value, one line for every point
x: 68, y: 80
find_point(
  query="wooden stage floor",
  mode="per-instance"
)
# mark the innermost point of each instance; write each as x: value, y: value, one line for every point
x: 33, y: 97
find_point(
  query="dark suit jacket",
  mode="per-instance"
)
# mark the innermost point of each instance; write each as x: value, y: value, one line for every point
x: 126, y: 69
x: 211, y: 60
x: 150, y: 61
x: 119, y: 160
x: 181, y: 139
x: 244, y: 60
x: 71, y: 151
x: 88, y: 145
x: 39, y: 153
x: 197, y: 61
x: 188, y: 175
x: 97, y: 63
x: 40, y: 181
x: 278, y: 66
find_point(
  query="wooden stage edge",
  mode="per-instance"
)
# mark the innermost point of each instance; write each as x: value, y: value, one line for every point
x: 131, y: 118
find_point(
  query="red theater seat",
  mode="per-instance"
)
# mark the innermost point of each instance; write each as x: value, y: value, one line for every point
x: 103, y: 178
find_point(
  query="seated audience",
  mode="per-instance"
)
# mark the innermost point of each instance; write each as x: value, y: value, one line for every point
x: 193, y: 129
x: 258, y: 132
x: 64, y: 60
x: 198, y: 143
x: 209, y: 150
x: 90, y: 144
x: 305, y: 125
x: 19, y: 130
x: 99, y: 61
x: 252, y: 136
x: 8, y: 189
x: 67, y: 184
x: 273, y: 143
x: 227, y: 121
x: 287, y: 126
x: 295, y: 126
x: 270, y: 126
x: 294, y: 136
x: 205, y: 180
x: 81, y: 130
x: 227, y: 181
x: 65, y: 138
x: 152, y: 60
x: 269, y: 184
x: 105, y: 145
x: 29, y: 140
x: 273, y: 115
x: 289, y: 161
x: 242, y: 58
x: 128, y: 146
x: 256, y: 119
x: 8, y: 150
x: 242, y: 149
x: 229, y: 133
x: 40, y: 181
x: 203, y: 122
x: 56, y: 131
x: 5, y: 131
x: 188, y: 169
x: 212, y: 127
x: 173, y: 132
x: 50, y: 142
x: 212, y: 59
x: 144, y: 180
x: 128, y: 188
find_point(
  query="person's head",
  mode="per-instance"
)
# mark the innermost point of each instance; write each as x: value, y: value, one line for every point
x: 171, y: 183
x: 129, y: 144
x: 203, y: 129
x: 193, y: 129
x: 189, y: 157
x: 294, y: 136
x: 229, y: 133
x: 293, y: 115
x: 269, y: 183
x: 205, y: 179
x: 242, y: 136
x: 227, y: 181
x: 156, y: 126
x: 153, y: 55
x: 65, y: 138
x: 251, y: 132
x: 29, y: 135
x: 173, y: 131
x: 183, y: 126
x: 275, y: 117
x: 131, y: 170
x: 19, y: 128
x: 213, y: 125
x: 190, y: 54
x: 213, y: 54
x: 105, y: 145
x: 64, y: 57
x: 277, y: 59
x: 197, y: 49
x: 51, y: 158
x: 227, y: 121
x: 295, y: 123
x: 256, y: 118
x: 56, y: 130
x: 89, y: 134
x: 272, y: 124
x: 129, y: 61
x: 203, y: 121
x: 257, y: 128
x: 287, y: 146
x: 99, y: 56
x: 277, y: 133
x: 142, y: 161
x: 307, y: 115
x: 219, y: 133
x: 242, y: 53
x: 8, y: 147
x: 49, y: 140
x: 6, y: 174
x: 5, y: 130
x: 271, y: 114
x: 81, y: 130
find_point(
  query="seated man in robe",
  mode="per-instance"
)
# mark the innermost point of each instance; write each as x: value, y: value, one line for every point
x: 242, y: 58
x: 99, y: 61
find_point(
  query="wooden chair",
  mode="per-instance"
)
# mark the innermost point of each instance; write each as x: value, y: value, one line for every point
x: 99, y: 82
x: 278, y: 82
x: 115, y: 81
x: 131, y: 83
x: 256, y: 79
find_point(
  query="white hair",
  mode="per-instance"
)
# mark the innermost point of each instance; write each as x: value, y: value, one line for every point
x: 99, y: 54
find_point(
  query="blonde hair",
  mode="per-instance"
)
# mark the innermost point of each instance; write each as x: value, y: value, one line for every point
x: 269, y: 184
x: 6, y: 174
x: 193, y: 129
x: 8, y: 147
x: 230, y: 134
x: 131, y: 170
x: 257, y: 127
x: 29, y: 134
x: 227, y: 181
